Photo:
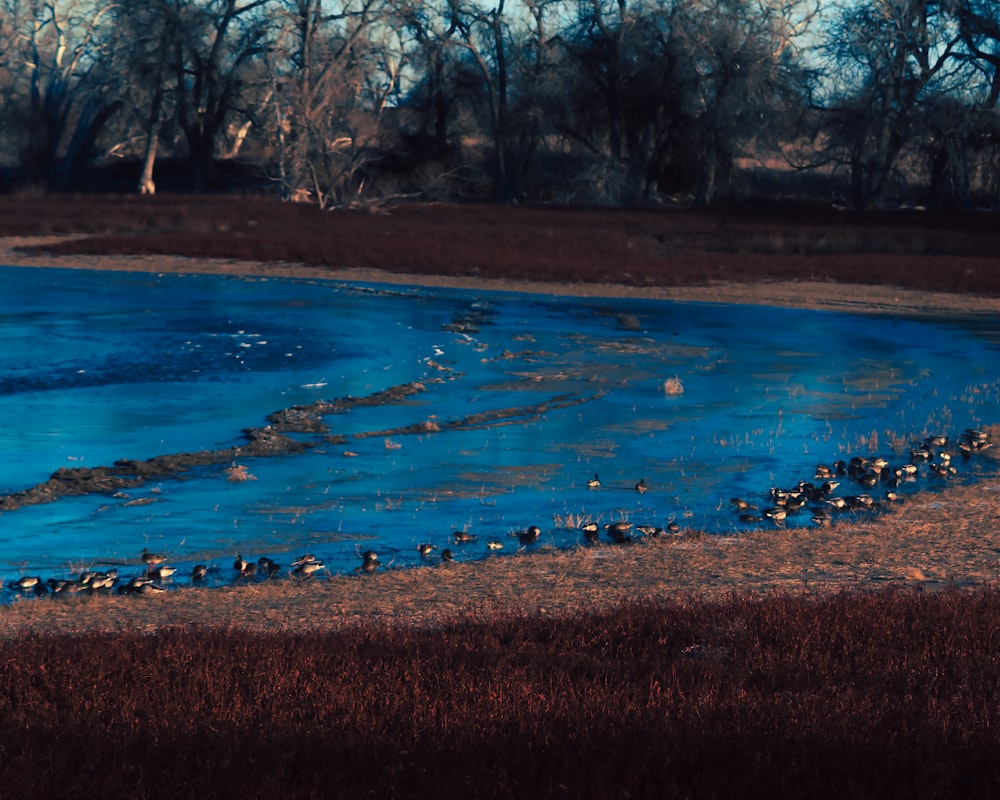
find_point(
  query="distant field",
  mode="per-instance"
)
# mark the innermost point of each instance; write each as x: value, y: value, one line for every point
x: 952, y: 252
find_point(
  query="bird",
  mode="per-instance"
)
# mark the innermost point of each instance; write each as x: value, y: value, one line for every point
x: 249, y: 570
x: 447, y: 555
x: 101, y: 580
x: 425, y: 548
x: 529, y: 535
x: 162, y: 572
x: 61, y: 585
x: 306, y: 569
x: 462, y: 537
x: 820, y: 517
x: 618, y: 531
x: 306, y: 558
x: 240, y: 564
x: 25, y: 583
x: 641, y: 487
x: 369, y: 561
x: 267, y: 566
x: 151, y: 559
x: 494, y: 544
x: 594, y: 483
x: 135, y: 585
x: 198, y: 572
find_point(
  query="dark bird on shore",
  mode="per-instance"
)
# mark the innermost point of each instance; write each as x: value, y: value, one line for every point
x: 868, y: 480
x: 594, y: 483
x: 618, y: 531
x: 369, y: 561
x: 267, y: 567
x: 777, y: 513
x: 673, y: 527
x: 199, y: 572
x: 240, y: 564
x: 447, y: 555
x: 161, y: 572
x: 820, y: 517
x: 305, y: 569
x: 591, y: 534
x: 641, y: 487
x: 529, y: 535
x: 135, y: 585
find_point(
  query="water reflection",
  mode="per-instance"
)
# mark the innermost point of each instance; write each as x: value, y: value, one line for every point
x: 523, y: 399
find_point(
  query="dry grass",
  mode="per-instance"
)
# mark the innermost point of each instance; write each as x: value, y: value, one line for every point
x: 926, y: 251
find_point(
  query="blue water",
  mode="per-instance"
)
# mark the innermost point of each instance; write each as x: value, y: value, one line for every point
x: 100, y: 366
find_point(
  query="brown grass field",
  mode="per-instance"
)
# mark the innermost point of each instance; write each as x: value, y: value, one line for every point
x: 858, y: 660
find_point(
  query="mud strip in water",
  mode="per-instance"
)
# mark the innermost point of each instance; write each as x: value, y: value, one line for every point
x: 275, y: 439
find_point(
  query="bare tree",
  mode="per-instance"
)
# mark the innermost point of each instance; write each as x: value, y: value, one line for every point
x: 211, y: 55
x: 510, y: 56
x: 672, y: 93
x: 59, y: 95
x: 979, y: 28
x: 334, y: 72
x: 892, y: 57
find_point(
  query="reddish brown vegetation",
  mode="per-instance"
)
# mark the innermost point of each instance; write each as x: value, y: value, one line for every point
x: 918, y: 250
x: 862, y: 694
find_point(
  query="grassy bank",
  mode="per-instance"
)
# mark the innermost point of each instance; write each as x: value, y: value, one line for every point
x: 889, y: 693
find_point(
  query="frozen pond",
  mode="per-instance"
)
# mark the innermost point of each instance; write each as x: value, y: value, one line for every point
x: 517, y: 401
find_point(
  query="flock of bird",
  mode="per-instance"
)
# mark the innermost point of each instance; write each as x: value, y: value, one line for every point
x: 877, y: 480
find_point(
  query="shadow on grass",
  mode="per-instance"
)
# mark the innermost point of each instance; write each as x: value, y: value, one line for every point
x: 890, y: 693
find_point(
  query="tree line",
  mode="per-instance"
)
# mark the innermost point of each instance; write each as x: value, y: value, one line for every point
x: 613, y: 102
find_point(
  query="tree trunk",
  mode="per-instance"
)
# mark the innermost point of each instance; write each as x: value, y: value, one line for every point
x: 146, y: 185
